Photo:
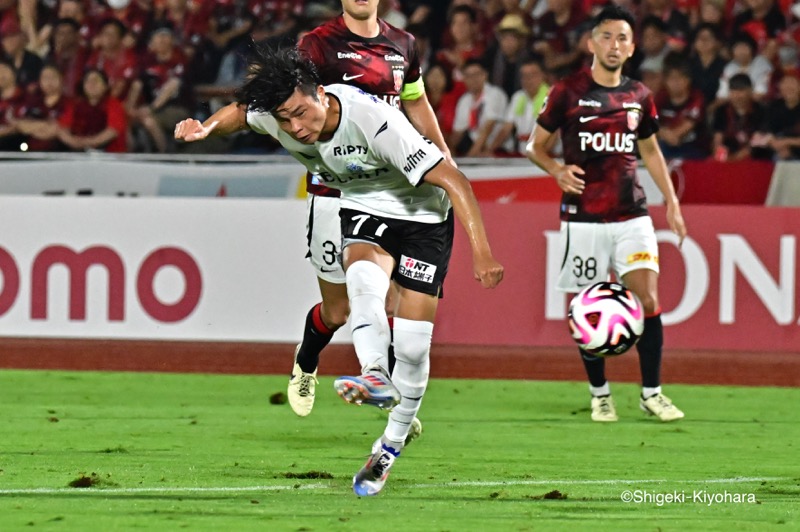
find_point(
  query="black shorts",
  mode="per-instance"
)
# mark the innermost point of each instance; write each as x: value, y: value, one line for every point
x: 421, y: 251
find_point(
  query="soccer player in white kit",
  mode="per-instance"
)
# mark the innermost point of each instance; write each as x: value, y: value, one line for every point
x: 397, y: 204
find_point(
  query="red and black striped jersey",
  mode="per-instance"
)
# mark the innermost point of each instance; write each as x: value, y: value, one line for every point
x: 379, y: 65
x: 599, y: 130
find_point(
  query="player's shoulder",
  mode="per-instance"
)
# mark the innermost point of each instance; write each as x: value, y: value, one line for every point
x: 395, y: 34
x: 635, y: 87
x: 364, y: 110
x: 577, y: 82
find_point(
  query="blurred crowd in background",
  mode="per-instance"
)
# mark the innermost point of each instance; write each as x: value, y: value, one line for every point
x: 116, y: 75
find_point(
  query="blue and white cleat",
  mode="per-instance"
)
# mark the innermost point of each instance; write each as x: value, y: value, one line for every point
x: 372, y: 388
x: 372, y: 477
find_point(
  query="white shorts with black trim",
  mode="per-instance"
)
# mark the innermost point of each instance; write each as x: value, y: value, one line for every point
x: 591, y: 251
x: 324, y: 237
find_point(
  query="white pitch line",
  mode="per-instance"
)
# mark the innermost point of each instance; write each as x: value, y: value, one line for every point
x: 320, y: 486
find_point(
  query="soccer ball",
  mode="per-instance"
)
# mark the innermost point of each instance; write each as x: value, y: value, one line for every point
x: 606, y: 319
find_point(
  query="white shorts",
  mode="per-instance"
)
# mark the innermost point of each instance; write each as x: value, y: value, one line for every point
x: 324, y: 233
x: 590, y: 251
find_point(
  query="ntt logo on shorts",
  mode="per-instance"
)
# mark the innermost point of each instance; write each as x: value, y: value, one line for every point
x: 416, y: 269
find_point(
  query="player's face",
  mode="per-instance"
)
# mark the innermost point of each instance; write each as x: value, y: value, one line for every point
x: 303, y: 116
x: 360, y: 9
x: 612, y: 44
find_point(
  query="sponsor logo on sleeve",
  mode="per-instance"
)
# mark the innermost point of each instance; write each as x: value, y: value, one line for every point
x: 413, y: 160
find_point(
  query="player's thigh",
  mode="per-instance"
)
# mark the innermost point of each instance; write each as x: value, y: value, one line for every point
x: 424, y: 256
x: 586, y: 255
x: 413, y: 305
x: 635, y: 246
x: 324, y: 238
x: 636, y: 258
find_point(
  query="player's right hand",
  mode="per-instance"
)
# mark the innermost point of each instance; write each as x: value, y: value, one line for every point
x: 487, y: 271
x: 190, y: 130
x: 568, y: 181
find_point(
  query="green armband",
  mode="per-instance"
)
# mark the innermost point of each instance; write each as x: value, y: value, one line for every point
x: 413, y: 90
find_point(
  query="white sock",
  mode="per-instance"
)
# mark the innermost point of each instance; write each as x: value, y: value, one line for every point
x: 600, y: 391
x: 412, y: 349
x: 367, y: 285
x: 650, y: 392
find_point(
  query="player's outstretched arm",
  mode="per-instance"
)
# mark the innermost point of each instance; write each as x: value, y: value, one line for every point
x: 566, y: 175
x: 229, y: 119
x: 657, y: 166
x: 487, y: 270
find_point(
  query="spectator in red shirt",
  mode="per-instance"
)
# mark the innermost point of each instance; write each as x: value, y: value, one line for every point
x: 97, y: 121
x: 443, y: 95
x: 117, y: 62
x: 43, y: 109
x: 68, y: 54
x: 159, y: 99
x: 11, y: 102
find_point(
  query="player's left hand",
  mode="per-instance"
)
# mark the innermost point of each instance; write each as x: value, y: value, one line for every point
x: 488, y: 271
x: 675, y: 221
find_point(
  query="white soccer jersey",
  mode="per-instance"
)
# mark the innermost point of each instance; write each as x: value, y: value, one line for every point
x: 375, y: 158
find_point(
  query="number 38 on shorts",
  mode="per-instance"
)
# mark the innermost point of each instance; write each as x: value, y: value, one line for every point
x: 591, y: 251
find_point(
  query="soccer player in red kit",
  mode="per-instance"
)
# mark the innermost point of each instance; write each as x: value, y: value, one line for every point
x: 604, y: 117
x: 358, y: 49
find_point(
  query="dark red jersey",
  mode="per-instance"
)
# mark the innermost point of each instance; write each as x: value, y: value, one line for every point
x: 379, y: 65
x: 599, y: 129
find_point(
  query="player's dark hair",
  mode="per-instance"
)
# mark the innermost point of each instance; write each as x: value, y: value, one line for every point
x: 273, y: 73
x: 614, y: 12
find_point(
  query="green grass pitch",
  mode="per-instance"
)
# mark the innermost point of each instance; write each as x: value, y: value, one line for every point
x: 208, y: 452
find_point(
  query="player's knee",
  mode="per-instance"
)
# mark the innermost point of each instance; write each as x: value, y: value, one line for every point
x: 335, y: 313
x: 366, y: 278
x: 412, y: 341
x: 649, y: 303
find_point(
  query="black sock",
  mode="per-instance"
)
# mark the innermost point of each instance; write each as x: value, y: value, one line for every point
x: 649, y: 347
x: 392, y: 358
x: 316, y: 336
x: 595, y: 368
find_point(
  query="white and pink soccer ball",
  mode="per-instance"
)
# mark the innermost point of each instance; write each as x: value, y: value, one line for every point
x: 606, y: 319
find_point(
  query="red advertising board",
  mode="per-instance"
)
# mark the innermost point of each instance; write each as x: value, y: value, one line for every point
x: 731, y: 286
